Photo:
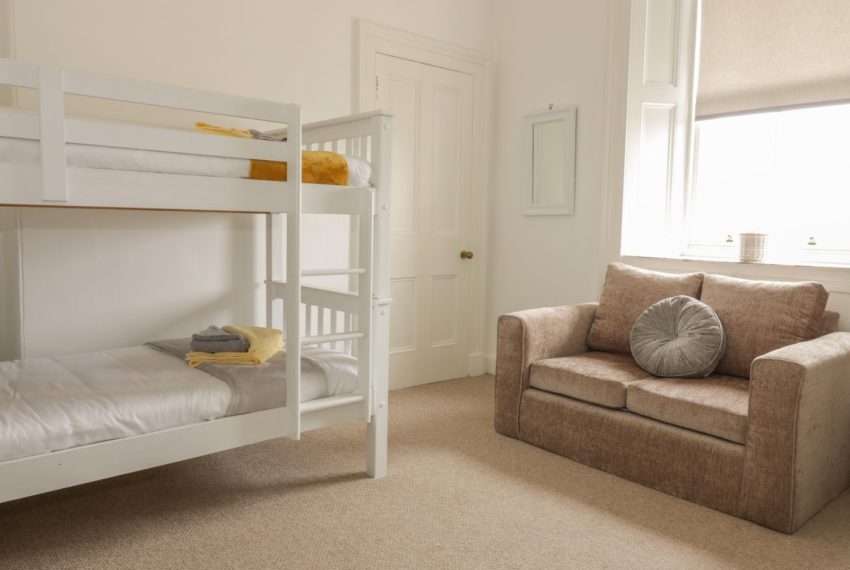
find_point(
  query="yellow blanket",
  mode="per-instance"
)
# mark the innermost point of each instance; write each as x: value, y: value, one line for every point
x: 226, y: 131
x: 317, y: 166
x: 265, y: 343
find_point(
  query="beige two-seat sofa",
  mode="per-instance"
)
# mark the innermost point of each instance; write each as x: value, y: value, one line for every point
x: 766, y: 437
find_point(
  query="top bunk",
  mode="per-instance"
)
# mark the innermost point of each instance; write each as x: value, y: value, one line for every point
x: 50, y: 158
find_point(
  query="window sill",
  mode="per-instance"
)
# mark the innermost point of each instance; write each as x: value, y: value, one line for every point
x: 834, y: 276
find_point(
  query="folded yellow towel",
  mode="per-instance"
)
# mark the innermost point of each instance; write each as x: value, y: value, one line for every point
x: 265, y: 343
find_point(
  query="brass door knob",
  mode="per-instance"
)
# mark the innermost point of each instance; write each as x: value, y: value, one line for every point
x: 466, y: 254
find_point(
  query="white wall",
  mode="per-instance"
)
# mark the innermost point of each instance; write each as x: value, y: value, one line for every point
x: 550, y: 51
x: 96, y: 280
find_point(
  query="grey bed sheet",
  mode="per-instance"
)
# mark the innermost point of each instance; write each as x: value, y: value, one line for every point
x: 256, y: 387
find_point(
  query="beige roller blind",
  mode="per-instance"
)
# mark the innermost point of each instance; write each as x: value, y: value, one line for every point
x: 762, y: 54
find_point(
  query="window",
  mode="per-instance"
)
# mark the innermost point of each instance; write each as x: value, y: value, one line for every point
x: 737, y: 120
x: 785, y: 173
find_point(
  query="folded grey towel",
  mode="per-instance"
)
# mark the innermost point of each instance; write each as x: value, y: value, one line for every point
x: 213, y: 332
x: 214, y: 346
x: 213, y: 339
x: 278, y: 135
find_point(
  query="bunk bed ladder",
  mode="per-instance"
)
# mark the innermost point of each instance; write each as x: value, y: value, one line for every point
x: 357, y: 334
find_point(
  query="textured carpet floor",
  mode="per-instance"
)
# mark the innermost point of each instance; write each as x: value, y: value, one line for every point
x: 458, y: 496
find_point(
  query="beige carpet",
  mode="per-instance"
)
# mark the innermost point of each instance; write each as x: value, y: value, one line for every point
x: 458, y: 496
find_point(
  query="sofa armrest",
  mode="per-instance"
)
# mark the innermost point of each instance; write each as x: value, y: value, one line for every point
x: 797, y: 455
x: 526, y: 337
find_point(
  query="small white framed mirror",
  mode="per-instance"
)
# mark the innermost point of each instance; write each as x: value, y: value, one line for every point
x: 550, y: 162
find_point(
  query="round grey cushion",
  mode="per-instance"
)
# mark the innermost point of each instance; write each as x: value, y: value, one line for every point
x: 678, y: 337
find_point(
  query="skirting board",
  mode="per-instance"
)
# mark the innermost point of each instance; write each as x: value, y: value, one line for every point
x: 491, y: 364
x: 477, y: 364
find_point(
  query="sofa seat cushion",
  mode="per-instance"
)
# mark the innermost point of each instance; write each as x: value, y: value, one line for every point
x: 596, y: 377
x: 716, y: 405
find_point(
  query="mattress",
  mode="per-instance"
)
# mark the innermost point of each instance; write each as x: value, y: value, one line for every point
x: 49, y: 404
x: 25, y: 151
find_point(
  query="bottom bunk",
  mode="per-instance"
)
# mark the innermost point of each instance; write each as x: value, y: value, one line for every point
x: 51, y: 404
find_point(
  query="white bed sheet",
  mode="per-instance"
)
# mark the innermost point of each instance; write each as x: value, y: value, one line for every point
x: 49, y: 404
x: 24, y: 151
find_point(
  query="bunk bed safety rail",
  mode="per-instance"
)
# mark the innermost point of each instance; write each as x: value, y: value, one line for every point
x: 72, y: 186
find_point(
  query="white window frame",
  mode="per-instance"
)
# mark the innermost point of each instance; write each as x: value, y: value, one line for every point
x: 660, y: 139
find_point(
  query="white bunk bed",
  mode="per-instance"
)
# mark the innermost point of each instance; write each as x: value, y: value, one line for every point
x: 356, y: 322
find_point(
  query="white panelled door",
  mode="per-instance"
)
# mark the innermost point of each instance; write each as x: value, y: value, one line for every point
x: 431, y: 219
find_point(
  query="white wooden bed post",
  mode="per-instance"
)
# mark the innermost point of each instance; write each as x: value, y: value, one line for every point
x: 292, y: 296
x: 377, y: 430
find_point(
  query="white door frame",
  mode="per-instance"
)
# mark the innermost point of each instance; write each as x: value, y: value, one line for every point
x: 372, y: 39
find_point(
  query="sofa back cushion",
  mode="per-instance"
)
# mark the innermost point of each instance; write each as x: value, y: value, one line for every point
x: 761, y: 316
x: 628, y: 292
x: 830, y: 322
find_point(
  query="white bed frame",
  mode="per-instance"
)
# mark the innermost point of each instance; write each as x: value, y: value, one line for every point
x: 355, y: 322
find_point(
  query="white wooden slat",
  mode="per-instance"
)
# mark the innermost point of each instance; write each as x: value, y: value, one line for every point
x: 19, y: 125
x: 334, y: 329
x: 338, y: 131
x: 364, y: 148
x: 330, y: 402
x: 104, y: 133
x: 18, y: 74
x: 54, y: 181
x: 359, y: 119
x: 107, y: 133
x: 20, y: 184
x: 349, y: 325
x: 134, y: 91
x: 270, y: 292
x: 308, y: 320
x: 325, y: 272
x: 319, y: 339
x: 274, y: 263
x: 149, y: 190
x: 323, y: 199
x: 341, y: 301
x: 332, y: 416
